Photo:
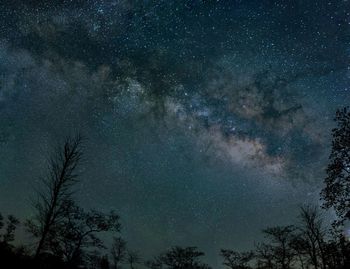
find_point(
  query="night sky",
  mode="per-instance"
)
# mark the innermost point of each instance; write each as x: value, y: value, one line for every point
x: 206, y: 121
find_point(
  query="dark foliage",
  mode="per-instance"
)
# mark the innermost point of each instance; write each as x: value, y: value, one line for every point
x: 79, y: 231
x: 68, y: 235
x: 336, y: 193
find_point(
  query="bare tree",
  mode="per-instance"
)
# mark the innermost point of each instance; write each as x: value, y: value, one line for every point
x: 300, y: 246
x: 179, y: 258
x: 280, y: 238
x: 133, y: 258
x: 313, y: 232
x: 236, y: 260
x: 265, y: 256
x: 118, y: 252
x: 57, y: 190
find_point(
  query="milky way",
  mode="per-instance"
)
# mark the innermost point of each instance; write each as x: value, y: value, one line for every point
x: 206, y: 120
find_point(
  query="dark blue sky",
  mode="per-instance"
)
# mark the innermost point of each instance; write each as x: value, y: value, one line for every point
x: 206, y: 120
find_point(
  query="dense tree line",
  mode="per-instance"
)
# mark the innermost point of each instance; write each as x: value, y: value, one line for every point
x: 66, y: 236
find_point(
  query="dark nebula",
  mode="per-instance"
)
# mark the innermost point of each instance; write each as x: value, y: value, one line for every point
x: 206, y: 121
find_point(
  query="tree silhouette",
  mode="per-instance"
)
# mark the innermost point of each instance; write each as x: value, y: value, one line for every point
x: 57, y: 190
x: 236, y: 260
x: 68, y: 235
x: 301, y: 248
x: 118, y: 252
x: 104, y: 262
x: 179, y: 258
x: 79, y: 231
x: 280, y: 238
x: 132, y: 258
x: 94, y: 260
x: 9, y: 254
x: 265, y: 256
x: 11, y: 226
x: 334, y: 248
x: 313, y: 233
x: 336, y: 193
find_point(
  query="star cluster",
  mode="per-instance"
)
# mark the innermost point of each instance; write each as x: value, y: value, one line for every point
x: 204, y: 118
